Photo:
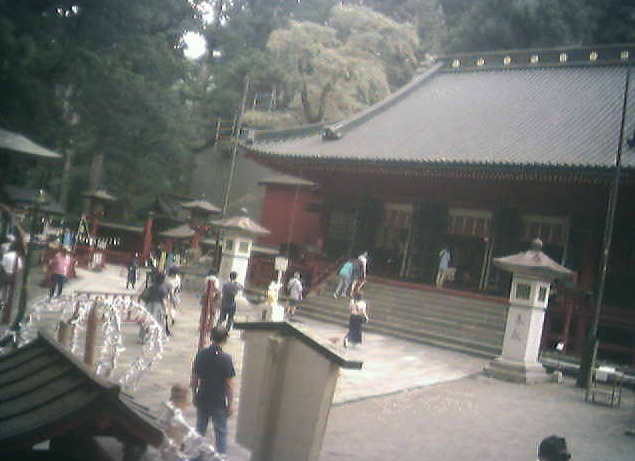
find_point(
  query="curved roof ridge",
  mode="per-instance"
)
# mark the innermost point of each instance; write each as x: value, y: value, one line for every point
x: 338, y: 129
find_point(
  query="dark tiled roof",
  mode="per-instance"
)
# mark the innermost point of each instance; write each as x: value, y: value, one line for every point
x: 45, y: 392
x: 567, y: 116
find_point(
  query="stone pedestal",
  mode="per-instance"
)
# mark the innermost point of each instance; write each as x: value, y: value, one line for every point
x: 519, y: 360
x: 287, y: 384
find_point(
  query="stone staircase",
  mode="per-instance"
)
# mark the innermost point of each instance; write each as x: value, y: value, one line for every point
x: 458, y: 321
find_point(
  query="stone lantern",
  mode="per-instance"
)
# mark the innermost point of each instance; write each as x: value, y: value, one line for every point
x: 98, y: 199
x: 200, y: 212
x: 239, y: 233
x: 533, y: 272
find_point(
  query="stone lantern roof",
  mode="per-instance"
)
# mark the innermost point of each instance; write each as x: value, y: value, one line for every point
x: 241, y: 223
x: 533, y: 262
x: 183, y: 231
x: 99, y: 194
x: 201, y: 206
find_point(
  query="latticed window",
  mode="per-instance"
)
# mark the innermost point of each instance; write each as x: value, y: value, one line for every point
x: 395, y: 222
x: 550, y: 229
x: 464, y: 221
x: 341, y: 224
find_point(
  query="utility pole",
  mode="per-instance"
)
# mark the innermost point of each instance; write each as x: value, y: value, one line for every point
x: 234, y: 146
x: 232, y: 167
x: 586, y: 364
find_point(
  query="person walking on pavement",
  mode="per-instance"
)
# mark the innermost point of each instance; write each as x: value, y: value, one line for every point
x: 358, y: 316
x: 213, y: 387
x: 60, y: 270
x: 295, y: 290
x: 553, y: 448
x: 173, y: 285
x: 209, y: 302
x: 154, y: 297
x: 10, y: 266
x: 229, y: 292
x: 444, y: 266
x: 344, y: 283
x: 132, y: 268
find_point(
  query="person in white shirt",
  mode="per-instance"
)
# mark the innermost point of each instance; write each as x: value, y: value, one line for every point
x: 9, y: 267
x: 445, y: 258
x: 296, y: 292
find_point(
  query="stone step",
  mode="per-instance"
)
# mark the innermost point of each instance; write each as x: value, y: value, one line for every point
x: 413, y: 310
x: 394, y: 294
x: 479, y: 349
x: 457, y: 332
x: 447, y: 327
x: 461, y: 323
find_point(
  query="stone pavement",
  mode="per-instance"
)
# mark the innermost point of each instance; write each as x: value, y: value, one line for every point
x: 409, y: 401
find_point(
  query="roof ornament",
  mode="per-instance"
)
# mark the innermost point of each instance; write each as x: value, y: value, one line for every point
x: 330, y: 134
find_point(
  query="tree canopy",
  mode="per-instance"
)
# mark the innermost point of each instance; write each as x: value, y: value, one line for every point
x: 107, y: 85
x: 97, y: 80
x: 334, y: 70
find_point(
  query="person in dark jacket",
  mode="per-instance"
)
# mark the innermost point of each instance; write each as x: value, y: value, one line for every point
x: 213, y: 387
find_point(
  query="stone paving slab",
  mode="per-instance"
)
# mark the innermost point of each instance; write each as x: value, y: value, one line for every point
x: 478, y: 419
x: 409, y: 401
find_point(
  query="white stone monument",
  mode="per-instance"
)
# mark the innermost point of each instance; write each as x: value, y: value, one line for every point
x: 533, y: 272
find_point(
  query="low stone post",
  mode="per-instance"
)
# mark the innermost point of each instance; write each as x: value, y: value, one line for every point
x: 91, y: 335
x: 64, y: 333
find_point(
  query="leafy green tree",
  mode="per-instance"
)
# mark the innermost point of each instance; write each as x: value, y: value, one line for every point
x: 426, y: 16
x: 103, y: 78
x: 513, y: 24
x: 339, y: 68
x: 615, y: 21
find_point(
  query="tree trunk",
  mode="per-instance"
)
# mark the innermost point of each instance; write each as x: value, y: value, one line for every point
x: 66, y: 178
x: 309, y: 115
x: 96, y: 169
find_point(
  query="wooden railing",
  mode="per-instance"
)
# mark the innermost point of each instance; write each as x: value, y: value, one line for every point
x: 569, y: 319
x: 314, y: 272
